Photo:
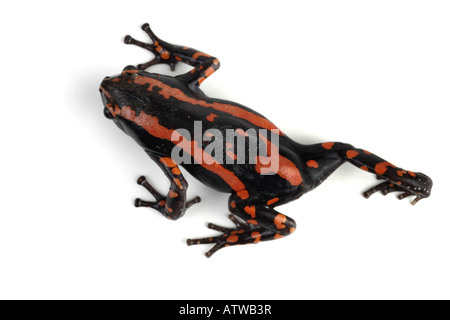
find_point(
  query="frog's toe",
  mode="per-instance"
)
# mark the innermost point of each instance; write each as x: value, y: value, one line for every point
x: 387, y: 187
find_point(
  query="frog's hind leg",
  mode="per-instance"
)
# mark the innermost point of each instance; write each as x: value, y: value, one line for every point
x: 174, y: 205
x: 322, y: 159
x: 261, y: 223
x: 204, y: 64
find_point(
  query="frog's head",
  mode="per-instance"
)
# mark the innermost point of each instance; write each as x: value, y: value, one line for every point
x: 121, y: 95
x: 114, y: 89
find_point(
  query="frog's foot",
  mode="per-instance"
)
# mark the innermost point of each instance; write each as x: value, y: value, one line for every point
x: 161, y: 49
x: 169, y: 206
x: 420, y: 187
x: 242, y: 234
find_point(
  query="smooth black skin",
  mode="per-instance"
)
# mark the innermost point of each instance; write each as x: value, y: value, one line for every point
x: 263, y: 221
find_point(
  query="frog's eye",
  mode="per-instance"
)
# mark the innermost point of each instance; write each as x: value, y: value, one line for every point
x: 129, y: 68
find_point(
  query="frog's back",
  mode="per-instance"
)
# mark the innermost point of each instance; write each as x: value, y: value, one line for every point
x: 243, y: 136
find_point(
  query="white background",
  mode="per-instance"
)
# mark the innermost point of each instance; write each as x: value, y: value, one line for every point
x: 372, y: 73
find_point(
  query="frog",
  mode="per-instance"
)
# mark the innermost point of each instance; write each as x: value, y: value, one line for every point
x: 153, y: 109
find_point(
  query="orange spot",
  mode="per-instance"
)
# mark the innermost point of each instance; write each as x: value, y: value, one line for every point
x: 398, y: 182
x: 231, y: 155
x: 211, y: 117
x: 168, y: 162
x: 351, y: 154
x: 159, y: 49
x: 176, y: 171
x: 367, y: 152
x: 200, y: 81
x: 178, y: 183
x: 169, y: 209
x: 165, y: 55
x: 233, y: 204
x: 381, y: 168
x: 254, y: 222
x: 172, y: 194
x: 200, y: 54
x: 278, y: 236
x: 241, y: 132
x: 364, y: 168
x: 312, y: 164
x: 257, y: 236
x: 279, y: 221
x: 401, y: 172
x: 216, y: 61
x: 243, y: 194
x: 250, y: 210
x: 272, y: 201
x: 291, y: 230
x: 232, y: 238
x: 328, y: 145
x: 162, y: 203
x: 209, y: 71
x: 177, y: 58
x: 286, y: 168
x: 412, y: 174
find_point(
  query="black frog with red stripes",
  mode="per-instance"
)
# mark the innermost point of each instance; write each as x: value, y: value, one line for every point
x: 158, y: 110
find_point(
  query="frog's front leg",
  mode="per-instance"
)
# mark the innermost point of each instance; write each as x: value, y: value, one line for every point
x: 204, y: 64
x: 174, y: 205
x: 262, y: 223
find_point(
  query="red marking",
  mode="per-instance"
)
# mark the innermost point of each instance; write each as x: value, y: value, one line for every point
x: 168, y: 162
x: 176, y: 171
x: 177, y: 58
x: 291, y: 230
x: 211, y: 117
x: 152, y: 126
x: 233, y: 204
x: 209, y: 71
x: 167, y: 92
x: 172, y: 194
x: 352, y: 153
x: 286, y: 169
x: 241, y: 132
x: 231, y: 155
x: 254, y: 222
x: 257, y: 236
x: 162, y: 203
x: 178, y: 183
x: 272, y: 201
x: 364, y: 168
x: 279, y: 221
x: 367, y: 152
x: 381, y: 168
x: 169, y: 209
x: 328, y: 145
x: 165, y: 55
x: 232, y: 238
x: 243, y: 194
x: 200, y: 81
x: 159, y: 49
x: 278, y: 236
x: 412, y: 174
x: 312, y: 164
x: 200, y: 54
x: 401, y: 172
x: 250, y: 210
